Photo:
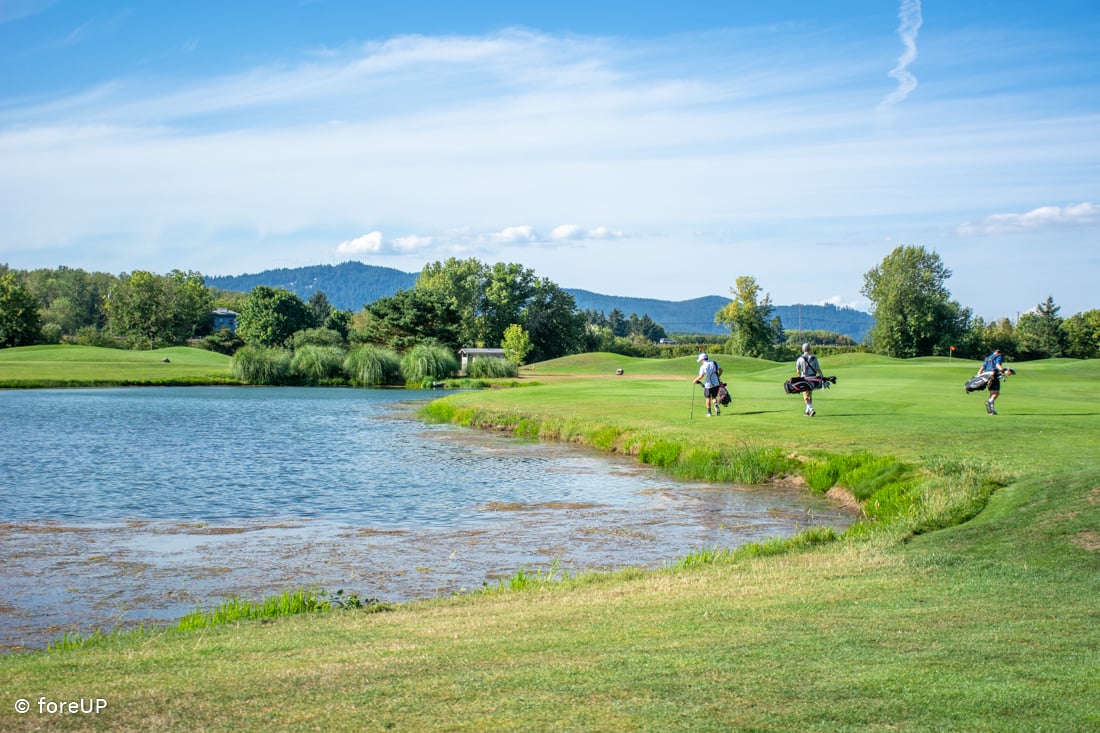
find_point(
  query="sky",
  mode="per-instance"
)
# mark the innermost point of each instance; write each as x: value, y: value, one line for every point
x: 642, y: 149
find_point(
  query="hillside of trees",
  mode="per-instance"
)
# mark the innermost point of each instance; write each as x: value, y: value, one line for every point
x: 348, y: 286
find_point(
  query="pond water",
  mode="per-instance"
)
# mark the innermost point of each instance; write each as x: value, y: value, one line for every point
x: 125, y: 506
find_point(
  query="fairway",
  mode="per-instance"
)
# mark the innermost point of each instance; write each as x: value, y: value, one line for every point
x: 972, y: 608
x: 92, y: 366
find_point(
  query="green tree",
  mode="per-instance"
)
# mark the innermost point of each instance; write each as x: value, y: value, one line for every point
x: 459, y: 285
x: 20, y: 319
x: 550, y: 318
x: 152, y: 310
x: 749, y: 319
x: 914, y: 315
x: 1082, y: 331
x: 508, y: 288
x: 516, y: 344
x: 320, y: 307
x: 71, y: 297
x: 617, y: 322
x: 486, y: 300
x: 270, y: 316
x: 409, y: 317
x: 1039, y: 334
x: 137, y: 310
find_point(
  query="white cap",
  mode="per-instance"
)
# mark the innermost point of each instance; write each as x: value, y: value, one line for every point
x: 702, y: 357
x: 805, y: 347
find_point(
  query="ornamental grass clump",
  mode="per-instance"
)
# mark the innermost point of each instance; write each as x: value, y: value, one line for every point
x: 424, y: 362
x: 369, y: 365
x: 490, y: 368
x: 261, y: 365
x: 313, y: 364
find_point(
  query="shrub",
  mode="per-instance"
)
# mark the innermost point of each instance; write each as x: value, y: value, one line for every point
x: 223, y: 341
x: 424, y: 362
x: 490, y: 368
x: 316, y: 364
x: 370, y: 365
x: 261, y: 365
x: 316, y: 337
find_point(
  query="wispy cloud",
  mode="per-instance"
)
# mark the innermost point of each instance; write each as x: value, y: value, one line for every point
x: 911, y: 21
x: 12, y: 10
x: 1085, y: 214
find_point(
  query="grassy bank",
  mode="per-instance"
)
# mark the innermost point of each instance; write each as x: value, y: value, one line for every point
x: 990, y: 622
x: 92, y: 366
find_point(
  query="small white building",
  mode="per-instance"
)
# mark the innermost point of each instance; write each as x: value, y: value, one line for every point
x: 467, y: 355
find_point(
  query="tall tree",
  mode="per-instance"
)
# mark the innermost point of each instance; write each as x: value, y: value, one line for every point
x: 20, y: 320
x: 410, y: 317
x: 913, y: 310
x: 551, y: 319
x: 460, y: 285
x: 320, y: 307
x: 749, y: 319
x: 1040, y: 334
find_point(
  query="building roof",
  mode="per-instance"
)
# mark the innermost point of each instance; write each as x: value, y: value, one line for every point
x: 473, y: 352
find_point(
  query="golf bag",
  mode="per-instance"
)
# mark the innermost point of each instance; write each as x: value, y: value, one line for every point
x: 723, y: 394
x: 796, y: 385
x: 981, y: 380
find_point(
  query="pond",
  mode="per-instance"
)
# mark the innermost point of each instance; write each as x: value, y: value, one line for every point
x: 135, y: 505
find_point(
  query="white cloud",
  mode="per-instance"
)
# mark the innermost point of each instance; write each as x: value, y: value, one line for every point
x: 366, y: 244
x: 1043, y: 218
x: 567, y: 231
x: 512, y: 235
x: 564, y: 232
x: 411, y: 243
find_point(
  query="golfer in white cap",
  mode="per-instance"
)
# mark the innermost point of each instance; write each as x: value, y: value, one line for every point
x: 807, y: 366
x: 709, y: 373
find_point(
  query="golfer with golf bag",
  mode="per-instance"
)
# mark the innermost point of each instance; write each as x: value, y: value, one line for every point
x: 709, y: 373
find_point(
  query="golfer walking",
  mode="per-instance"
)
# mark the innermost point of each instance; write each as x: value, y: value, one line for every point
x: 807, y: 366
x: 995, y: 363
x: 708, y: 377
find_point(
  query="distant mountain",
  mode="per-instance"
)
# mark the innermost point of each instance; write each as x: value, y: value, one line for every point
x: 697, y: 315
x: 351, y: 285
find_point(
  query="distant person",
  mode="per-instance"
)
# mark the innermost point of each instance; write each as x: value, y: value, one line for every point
x: 807, y: 366
x: 709, y: 373
x: 995, y: 363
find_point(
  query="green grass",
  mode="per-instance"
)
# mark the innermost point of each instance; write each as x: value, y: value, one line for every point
x: 93, y: 366
x: 969, y: 604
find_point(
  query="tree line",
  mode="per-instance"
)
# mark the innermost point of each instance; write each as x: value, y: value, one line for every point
x: 915, y: 316
x: 466, y: 302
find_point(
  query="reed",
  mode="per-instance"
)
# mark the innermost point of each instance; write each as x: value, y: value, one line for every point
x: 313, y: 364
x: 261, y: 365
x: 370, y: 366
x: 425, y: 362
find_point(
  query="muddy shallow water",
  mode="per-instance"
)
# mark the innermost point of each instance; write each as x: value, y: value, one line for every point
x: 456, y: 510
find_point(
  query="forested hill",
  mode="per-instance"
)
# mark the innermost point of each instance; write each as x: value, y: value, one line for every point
x: 351, y: 285
x: 697, y: 315
x: 348, y: 286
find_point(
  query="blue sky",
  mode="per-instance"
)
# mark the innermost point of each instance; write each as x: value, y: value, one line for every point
x: 640, y: 149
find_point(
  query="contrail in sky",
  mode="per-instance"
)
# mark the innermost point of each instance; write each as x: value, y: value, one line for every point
x: 911, y: 20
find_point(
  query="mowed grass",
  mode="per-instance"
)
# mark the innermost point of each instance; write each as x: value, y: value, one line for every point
x: 988, y: 625
x: 91, y: 366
